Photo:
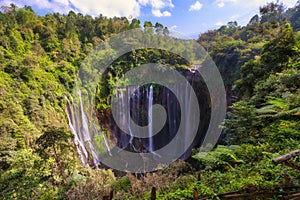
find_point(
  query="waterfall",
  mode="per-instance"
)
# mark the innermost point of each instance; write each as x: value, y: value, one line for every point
x: 134, y: 104
x: 86, y: 132
x: 133, y: 101
x: 73, y: 124
x: 85, y: 127
x: 123, y: 100
x: 129, y: 117
x: 123, y: 111
x: 150, y: 120
x: 83, y: 131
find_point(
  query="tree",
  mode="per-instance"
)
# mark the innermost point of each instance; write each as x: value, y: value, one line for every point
x: 272, y: 12
x: 166, y: 31
x: 135, y: 23
x: 277, y: 53
x: 71, y: 24
x: 149, y: 26
x: 251, y: 73
x: 254, y: 19
x: 159, y: 28
x: 55, y: 143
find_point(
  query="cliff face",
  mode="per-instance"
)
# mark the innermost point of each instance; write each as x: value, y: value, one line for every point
x: 136, y: 102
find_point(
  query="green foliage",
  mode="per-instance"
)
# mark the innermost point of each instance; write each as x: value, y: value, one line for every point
x: 25, y: 176
x: 122, y: 184
x: 281, y: 85
x: 265, y: 123
x: 54, y: 146
x: 250, y: 72
x: 243, y: 124
x: 181, y: 187
x: 256, y: 172
x: 277, y: 53
x: 283, y: 134
x: 222, y: 158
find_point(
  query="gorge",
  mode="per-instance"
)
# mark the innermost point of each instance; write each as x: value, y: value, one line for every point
x: 135, y: 105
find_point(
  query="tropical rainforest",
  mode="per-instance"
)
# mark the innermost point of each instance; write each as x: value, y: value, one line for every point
x: 40, y: 58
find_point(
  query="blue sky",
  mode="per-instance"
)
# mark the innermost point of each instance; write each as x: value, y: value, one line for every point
x: 189, y: 17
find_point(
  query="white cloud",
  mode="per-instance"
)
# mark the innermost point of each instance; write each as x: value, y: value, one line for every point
x: 158, y: 13
x: 122, y: 7
x: 56, y: 6
x: 143, y: 2
x: 157, y: 6
x: 92, y: 7
x: 219, y: 23
x: 196, y: 6
x: 64, y: 2
x: 173, y: 27
x: 258, y: 3
x: 167, y: 14
x: 108, y: 8
x: 95, y: 7
x: 221, y: 3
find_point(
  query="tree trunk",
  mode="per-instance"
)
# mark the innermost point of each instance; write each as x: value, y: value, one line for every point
x: 286, y: 157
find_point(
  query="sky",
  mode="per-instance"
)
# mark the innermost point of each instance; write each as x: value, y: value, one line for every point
x: 188, y: 17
